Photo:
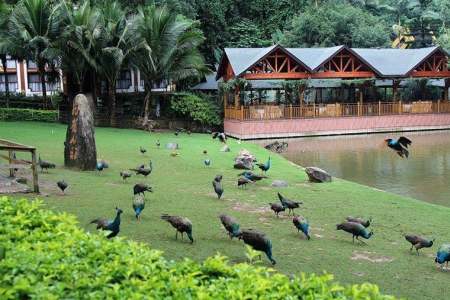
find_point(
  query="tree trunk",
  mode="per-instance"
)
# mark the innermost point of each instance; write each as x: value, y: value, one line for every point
x: 147, y: 100
x: 79, y: 148
x: 44, y: 87
x: 5, y: 73
x: 112, y: 104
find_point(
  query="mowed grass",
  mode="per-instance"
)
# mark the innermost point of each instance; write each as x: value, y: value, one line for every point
x: 182, y: 186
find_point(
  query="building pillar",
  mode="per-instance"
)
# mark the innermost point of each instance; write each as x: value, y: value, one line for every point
x: 395, y: 85
x: 446, y: 87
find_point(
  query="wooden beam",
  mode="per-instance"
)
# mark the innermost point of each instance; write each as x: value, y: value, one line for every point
x: 359, y: 74
x: 432, y: 74
x: 275, y: 76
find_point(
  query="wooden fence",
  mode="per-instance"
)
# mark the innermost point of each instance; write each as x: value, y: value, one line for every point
x: 273, y: 112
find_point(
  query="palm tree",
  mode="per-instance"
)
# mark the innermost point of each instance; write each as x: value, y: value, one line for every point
x: 4, y: 47
x: 166, y: 48
x: 34, y: 26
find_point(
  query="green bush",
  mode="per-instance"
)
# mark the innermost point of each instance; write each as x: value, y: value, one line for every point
x: 197, y: 107
x: 31, y: 102
x: 47, y: 256
x: 23, y: 114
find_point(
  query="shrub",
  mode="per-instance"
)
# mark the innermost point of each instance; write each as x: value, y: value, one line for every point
x: 31, y: 102
x: 197, y: 107
x: 49, y: 257
x: 21, y: 114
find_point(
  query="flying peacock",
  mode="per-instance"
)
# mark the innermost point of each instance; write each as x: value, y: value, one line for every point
x: 400, y: 146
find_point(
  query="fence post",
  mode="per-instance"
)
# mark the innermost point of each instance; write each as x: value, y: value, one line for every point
x: 400, y: 107
x: 11, y: 171
x: 379, y: 107
x: 438, y: 106
x: 359, y: 108
x: 242, y: 112
x: 314, y: 109
x: 290, y: 111
x: 34, y: 170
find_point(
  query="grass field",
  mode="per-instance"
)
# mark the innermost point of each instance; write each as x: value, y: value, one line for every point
x: 182, y: 185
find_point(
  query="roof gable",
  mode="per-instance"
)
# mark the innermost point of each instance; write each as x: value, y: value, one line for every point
x: 314, y: 57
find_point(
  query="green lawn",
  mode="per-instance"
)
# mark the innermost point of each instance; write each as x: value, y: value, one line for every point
x: 182, y: 185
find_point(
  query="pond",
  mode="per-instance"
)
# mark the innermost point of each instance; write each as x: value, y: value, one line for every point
x: 365, y: 159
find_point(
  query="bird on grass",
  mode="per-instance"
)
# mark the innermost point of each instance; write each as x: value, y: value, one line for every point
x: 181, y: 224
x: 443, y: 255
x: 207, y: 162
x: 231, y: 225
x: 141, y: 188
x: 205, y: 152
x: 45, y: 164
x: 277, y: 208
x: 302, y: 225
x: 289, y: 204
x: 100, y: 166
x: 174, y: 154
x: 266, y: 166
x: 252, y: 176
x: 138, y: 205
x: 113, y: 226
x: 259, y: 242
x: 158, y: 144
x: 418, y: 242
x: 221, y: 136
x: 142, y: 150
x: 62, y: 186
x: 365, y: 223
x: 125, y: 174
x: 217, y: 185
x: 400, y: 146
x: 242, y: 181
x: 142, y: 170
x: 357, y: 230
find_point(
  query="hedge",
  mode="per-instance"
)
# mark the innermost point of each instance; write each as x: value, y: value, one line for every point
x: 49, y: 257
x: 21, y: 114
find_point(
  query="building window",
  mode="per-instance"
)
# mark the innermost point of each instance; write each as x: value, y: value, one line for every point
x: 31, y: 65
x: 34, y: 84
x: 12, y: 83
x: 124, y: 80
x: 10, y: 64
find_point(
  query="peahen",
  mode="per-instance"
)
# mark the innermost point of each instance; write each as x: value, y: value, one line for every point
x: 62, y: 186
x: 302, y: 225
x: 277, y: 208
x: 365, y: 223
x: 265, y: 167
x: 289, y: 204
x: 141, y: 188
x: 142, y: 170
x: 357, y: 230
x: 142, y: 150
x: 443, y: 255
x: 259, y: 242
x: 181, y: 224
x: 45, y: 164
x: 138, y: 205
x: 125, y: 174
x: 418, y: 242
x: 158, y: 144
x: 207, y: 162
x: 252, y: 176
x: 400, y: 146
x: 242, y: 181
x: 217, y: 185
x: 231, y: 225
x: 113, y: 226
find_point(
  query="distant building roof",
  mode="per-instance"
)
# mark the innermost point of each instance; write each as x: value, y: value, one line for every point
x: 210, y: 84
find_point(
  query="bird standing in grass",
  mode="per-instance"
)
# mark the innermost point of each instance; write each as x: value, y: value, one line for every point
x: 45, y: 164
x: 265, y: 167
x: 138, y: 205
x: 125, y: 175
x: 62, y: 186
x: 259, y: 242
x: 356, y: 229
x: 113, y: 226
x: 443, y: 255
x: 418, y: 242
x: 242, y: 181
x: 100, y: 166
x: 181, y: 224
x: 400, y: 146
x: 142, y: 170
x: 231, y: 225
x: 222, y: 136
x: 158, y: 144
x: 174, y: 154
x: 365, y: 223
x: 277, y: 208
x: 252, y: 176
x: 302, y: 225
x: 217, y: 185
x: 207, y: 162
x: 289, y: 204
x: 142, y: 150
x: 141, y: 188
x: 205, y: 152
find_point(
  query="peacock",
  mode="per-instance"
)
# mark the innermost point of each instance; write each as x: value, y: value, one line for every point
x: 181, y: 224
x: 125, y: 174
x: 141, y: 188
x: 158, y: 144
x: 217, y: 185
x: 113, y: 226
x: 62, y: 186
x: 259, y: 242
x: 277, y: 208
x: 138, y: 205
x: 357, y: 230
x: 443, y: 255
x: 289, y: 204
x: 302, y: 225
x: 400, y: 146
x: 45, y: 164
x: 252, y: 176
x: 207, y: 162
x: 142, y: 170
x: 222, y: 136
x: 365, y: 223
x: 265, y: 167
x: 101, y: 165
x: 142, y: 150
x: 231, y: 225
x: 418, y: 242
x: 242, y: 181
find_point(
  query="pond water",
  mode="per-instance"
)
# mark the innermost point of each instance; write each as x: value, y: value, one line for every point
x: 365, y: 159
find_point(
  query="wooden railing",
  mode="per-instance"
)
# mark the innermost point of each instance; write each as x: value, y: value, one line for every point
x: 273, y: 112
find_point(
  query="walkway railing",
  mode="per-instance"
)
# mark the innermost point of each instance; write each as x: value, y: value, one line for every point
x: 273, y: 112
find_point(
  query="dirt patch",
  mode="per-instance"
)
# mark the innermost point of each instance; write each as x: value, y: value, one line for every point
x: 318, y: 235
x: 248, y: 208
x: 359, y: 274
x: 370, y: 256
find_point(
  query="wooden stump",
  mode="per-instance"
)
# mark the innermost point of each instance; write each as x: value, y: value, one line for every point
x: 79, y: 148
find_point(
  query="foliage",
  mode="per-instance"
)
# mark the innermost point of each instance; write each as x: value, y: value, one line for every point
x: 293, y: 89
x: 48, y: 256
x: 197, y: 107
x: 24, y: 114
x: 246, y: 34
x: 33, y: 102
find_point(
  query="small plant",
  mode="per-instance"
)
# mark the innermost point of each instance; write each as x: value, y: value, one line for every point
x: 253, y: 256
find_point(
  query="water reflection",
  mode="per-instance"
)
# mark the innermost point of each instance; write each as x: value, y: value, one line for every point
x: 366, y: 159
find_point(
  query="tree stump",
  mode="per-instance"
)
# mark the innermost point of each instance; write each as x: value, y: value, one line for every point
x: 79, y: 148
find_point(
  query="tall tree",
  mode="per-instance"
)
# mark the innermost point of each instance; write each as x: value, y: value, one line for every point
x: 167, y: 48
x: 4, y: 47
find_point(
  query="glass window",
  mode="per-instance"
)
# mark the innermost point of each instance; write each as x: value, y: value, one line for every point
x: 11, y: 64
x: 31, y: 65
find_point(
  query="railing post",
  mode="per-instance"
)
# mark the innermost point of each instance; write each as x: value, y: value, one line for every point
x: 290, y: 111
x: 34, y: 170
x: 314, y: 109
x: 379, y: 107
x: 242, y: 112
x: 400, y: 107
x: 438, y: 106
x: 11, y: 171
x: 359, y: 109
